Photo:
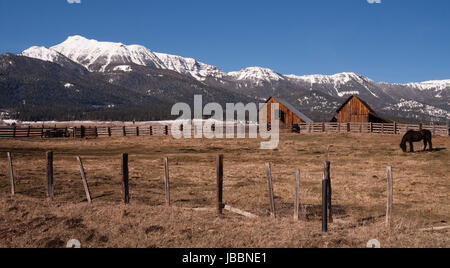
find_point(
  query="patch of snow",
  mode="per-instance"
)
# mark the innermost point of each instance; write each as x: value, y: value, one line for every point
x: 68, y: 85
x: 123, y: 68
x: 347, y: 93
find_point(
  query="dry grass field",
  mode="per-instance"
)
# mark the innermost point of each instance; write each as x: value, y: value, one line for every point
x: 358, y: 170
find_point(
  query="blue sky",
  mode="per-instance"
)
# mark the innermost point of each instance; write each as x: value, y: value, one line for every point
x: 394, y: 41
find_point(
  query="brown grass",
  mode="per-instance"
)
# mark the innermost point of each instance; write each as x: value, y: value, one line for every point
x: 421, y: 188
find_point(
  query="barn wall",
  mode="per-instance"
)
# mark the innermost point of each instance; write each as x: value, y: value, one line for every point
x: 354, y: 111
x: 290, y: 117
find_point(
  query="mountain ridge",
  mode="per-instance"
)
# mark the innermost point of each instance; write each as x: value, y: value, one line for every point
x: 122, y: 63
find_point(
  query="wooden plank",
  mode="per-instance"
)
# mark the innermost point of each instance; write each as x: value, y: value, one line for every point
x: 219, y: 170
x: 125, y: 179
x: 85, y: 183
x: 240, y: 212
x: 390, y: 197
x: 50, y: 179
x: 270, y: 188
x: 435, y: 228
x: 11, y: 174
x: 167, y: 182
x: 297, y: 196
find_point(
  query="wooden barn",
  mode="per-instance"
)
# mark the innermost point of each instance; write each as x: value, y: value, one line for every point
x: 355, y: 110
x: 289, y: 115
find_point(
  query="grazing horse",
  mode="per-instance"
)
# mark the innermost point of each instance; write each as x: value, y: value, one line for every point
x: 415, y: 136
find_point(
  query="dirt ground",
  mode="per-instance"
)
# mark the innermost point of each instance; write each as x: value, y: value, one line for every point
x: 358, y: 171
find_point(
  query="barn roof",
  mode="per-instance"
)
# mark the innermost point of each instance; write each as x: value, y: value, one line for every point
x: 372, y: 111
x: 292, y: 108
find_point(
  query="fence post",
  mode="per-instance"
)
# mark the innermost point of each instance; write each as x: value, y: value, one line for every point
x: 324, y: 205
x: 83, y: 178
x: 348, y: 128
x: 395, y: 128
x: 219, y: 171
x: 390, y: 197
x: 270, y: 188
x: 11, y: 173
x: 371, y: 127
x: 109, y: 132
x: 50, y: 181
x: 137, y: 131
x: 297, y: 196
x: 14, y: 131
x: 323, y: 127
x: 151, y: 131
x: 28, y: 132
x: 327, y: 176
x: 167, y: 182
x: 124, y: 129
x: 166, y: 130
x: 126, y: 191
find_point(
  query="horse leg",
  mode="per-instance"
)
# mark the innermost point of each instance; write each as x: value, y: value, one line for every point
x: 425, y: 142
x: 430, y: 143
x: 411, y: 145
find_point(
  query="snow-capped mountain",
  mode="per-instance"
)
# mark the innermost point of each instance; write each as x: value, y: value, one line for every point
x: 106, y: 56
x: 258, y: 75
x: 142, y: 69
x: 99, y: 56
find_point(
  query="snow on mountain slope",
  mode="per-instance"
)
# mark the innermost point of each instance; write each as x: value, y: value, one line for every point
x: 257, y: 75
x: 190, y: 66
x: 50, y: 55
x: 98, y: 56
x: 43, y: 53
x: 340, y: 78
x: 417, y: 107
x: 431, y: 85
x: 339, y: 83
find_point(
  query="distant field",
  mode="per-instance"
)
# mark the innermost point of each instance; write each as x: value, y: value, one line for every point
x: 358, y: 170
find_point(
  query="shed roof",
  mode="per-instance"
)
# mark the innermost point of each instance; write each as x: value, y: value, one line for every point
x: 293, y: 109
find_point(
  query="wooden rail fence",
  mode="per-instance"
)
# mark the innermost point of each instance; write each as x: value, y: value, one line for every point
x: 166, y: 130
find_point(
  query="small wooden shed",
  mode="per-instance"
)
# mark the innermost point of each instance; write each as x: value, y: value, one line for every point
x: 355, y: 110
x: 288, y: 114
